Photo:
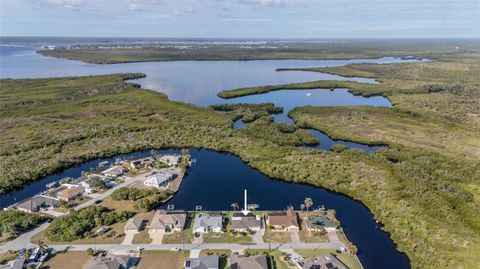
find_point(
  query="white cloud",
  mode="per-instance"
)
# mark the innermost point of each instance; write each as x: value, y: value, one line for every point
x: 261, y: 2
x: 137, y: 5
x: 69, y: 4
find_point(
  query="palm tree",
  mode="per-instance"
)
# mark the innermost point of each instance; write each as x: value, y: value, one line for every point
x: 41, y: 246
x: 234, y: 206
x: 308, y: 202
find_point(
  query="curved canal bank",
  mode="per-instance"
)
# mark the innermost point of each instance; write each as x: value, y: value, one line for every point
x: 212, y: 184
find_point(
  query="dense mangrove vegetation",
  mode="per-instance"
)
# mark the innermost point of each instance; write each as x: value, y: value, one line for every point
x: 14, y: 223
x: 424, y: 188
x: 78, y: 224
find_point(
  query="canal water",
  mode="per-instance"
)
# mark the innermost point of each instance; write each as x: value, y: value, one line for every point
x: 217, y: 179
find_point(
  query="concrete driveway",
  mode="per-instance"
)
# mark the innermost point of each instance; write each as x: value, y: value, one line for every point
x: 197, y: 240
x: 257, y: 237
x: 295, y: 237
x: 129, y: 235
x: 156, y: 236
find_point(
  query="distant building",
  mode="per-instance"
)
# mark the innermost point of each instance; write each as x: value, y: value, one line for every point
x: 168, y: 221
x: 171, y: 160
x: 327, y: 261
x: 205, y: 223
x: 114, y: 171
x: 36, y: 203
x: 250, y: 262
x: 203, y: 262
x: 70, y: 192
x: 243, y: 223
x: 158, y: 180
x: 320, y: 222
x: 110, y: 262
x: 286, y: 221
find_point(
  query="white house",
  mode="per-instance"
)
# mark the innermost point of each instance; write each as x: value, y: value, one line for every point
x: 171, y: 160
x: 205, y: 223
x: 114, y: 171
x: 158, y: 180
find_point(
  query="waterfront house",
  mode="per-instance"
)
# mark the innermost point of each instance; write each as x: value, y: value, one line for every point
x: 243, y: 223
x: 284, y: 221
x: 36, y: 203
x: 70, y: 192
x: 170, y: 160
x: 158, y: 180
x: 317, y: 223
x: 327, y: 261
x: 250, y: 262
x: 105, y: 261
x: 141, y: 163
x: 164, y: 221
x: 205, y: 223
x: 114, y: 171
x: 134, y: 225
x: 203, y: 262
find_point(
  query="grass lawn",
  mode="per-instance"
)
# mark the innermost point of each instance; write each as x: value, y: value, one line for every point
x: 224, y: 254
x: 225, y: 237
x: 348, y: 260
x: 124, y: 205
x: 69, y: 259
x: 152, y: 259
x: 276, y: 237
x: 184, y: 236
x: 142, y: 238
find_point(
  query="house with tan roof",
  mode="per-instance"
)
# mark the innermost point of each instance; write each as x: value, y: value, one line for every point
x: 70, y: 192
x: 250, y: 262
x: 164, y: 221
x: 134, y: 224
x: 244, y: 223
x: 284, y: 221
x: 105, y: 261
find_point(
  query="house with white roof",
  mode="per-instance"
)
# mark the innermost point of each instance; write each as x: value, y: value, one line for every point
x: 205, y: 223
x: 158, y: 180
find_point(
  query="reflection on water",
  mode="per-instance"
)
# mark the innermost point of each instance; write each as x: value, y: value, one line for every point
x: 196, y: 82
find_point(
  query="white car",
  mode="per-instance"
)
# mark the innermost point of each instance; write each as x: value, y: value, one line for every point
x: 174, y: 249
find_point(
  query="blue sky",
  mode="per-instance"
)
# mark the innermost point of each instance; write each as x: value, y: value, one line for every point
x: 241, y: 18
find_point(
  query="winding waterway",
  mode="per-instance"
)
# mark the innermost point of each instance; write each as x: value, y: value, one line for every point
x: 210, y: 182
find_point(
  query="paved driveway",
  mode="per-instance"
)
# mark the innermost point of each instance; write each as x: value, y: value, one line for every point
x: 257, y: 237
x: 197, y: 240
x: 156, y: 236
x: 295, y: 237
x: 129, y: 235
x: 333, y: 237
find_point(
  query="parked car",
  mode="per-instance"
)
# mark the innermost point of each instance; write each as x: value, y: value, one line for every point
x: 174, y: 249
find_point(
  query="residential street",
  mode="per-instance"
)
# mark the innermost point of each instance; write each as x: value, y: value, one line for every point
x: 24, y: 239
x: 279, y: 246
